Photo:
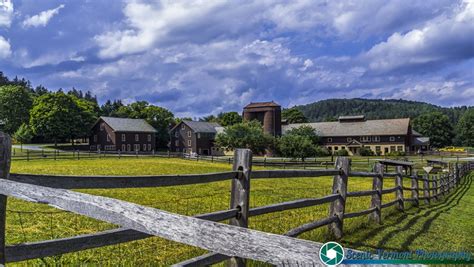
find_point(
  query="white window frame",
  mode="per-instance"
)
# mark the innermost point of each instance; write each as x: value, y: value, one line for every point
x: 183, y: 127
x: 124, y: 147
x: 376, y: 138
x: 144, y: 147
x: 189, y: 134
x: 108, y: 138
x: 129, y: 147
x: 189, y: 143
x: 137, y: 147
x: 137, y: 137
x: 199, y: 135
x: 149, y: 138
x: 365, y: 139
x: 329, y: 140
x: 392, y: 139
x: 102, y: 126
x: 349, y: 139
x: 124, y: 138
x: 149, y: 147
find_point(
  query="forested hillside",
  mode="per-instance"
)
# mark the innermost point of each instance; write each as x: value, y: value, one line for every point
x: 330, y: 109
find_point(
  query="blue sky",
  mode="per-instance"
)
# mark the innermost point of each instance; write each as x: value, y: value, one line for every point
x: 203, y: 57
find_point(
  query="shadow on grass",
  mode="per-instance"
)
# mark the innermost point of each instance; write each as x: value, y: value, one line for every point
x: 431, y: 213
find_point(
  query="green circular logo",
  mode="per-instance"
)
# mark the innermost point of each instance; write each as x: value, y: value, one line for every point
x: 331, y: 254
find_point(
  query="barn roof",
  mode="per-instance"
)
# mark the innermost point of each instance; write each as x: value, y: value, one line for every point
x: 357, y: 128
x: 201, y: 126
x: 262, y: 104
x: 128, y: 125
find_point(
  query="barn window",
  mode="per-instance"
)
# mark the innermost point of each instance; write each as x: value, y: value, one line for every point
x: 349, y: 139
x: 176, y: 134
x: 189, y: 142
x: 189, y: 133
x: 329, y: 140
x: 128, y: 147
x: 137, y: 138
x: 102, y: 126
x: 149, y: 147
x: 199, y: 135
x: 399, y: 148
x: 124, y: 138
x: 123, y: 147
x: 392, y: 138
x: 144, y: 147
x: 376, y: 138
x: 108, y: 138
x: 365, y: 139
x: 149, y: 138
x: 183, y: 127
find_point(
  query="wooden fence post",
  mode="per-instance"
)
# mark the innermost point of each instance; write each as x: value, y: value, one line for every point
x: 5, y: 160
x: 456, y: 173
x: 426, y: 188
x: 414, y: 191
x: 339, y: 187
x: 434, y: 186
x: 376, y: 201
x: 240, y: 193
x: 399, y: 185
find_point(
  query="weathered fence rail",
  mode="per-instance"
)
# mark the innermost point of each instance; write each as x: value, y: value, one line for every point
x: 233, y: 241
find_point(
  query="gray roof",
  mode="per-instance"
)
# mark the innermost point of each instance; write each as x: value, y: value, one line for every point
x: 421, y: 141
x: 203, y: 126
x: 355, y: 117
x: 358, y: 128
x: 128, y: 125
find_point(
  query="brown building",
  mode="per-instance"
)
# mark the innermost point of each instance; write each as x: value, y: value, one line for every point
x: 354, y: 132
x: 121, y: 134
x: 267, y: 113
x: 195, y: 137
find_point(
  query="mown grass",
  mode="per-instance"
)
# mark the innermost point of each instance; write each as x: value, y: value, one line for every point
x: 28, y: 222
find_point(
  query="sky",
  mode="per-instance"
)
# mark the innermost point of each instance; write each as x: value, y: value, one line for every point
x: 208, y: 56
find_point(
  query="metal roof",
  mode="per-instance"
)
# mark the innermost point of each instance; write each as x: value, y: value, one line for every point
x: 421, y: 141
x: 202, y: 126
x: 262, y: 104
x: 357, y: 128
x: 128, y: 125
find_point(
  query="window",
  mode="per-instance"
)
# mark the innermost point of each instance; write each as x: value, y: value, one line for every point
x: 149, y: 147
x: 329, y: 148
x: 392, y: 138
x: 137, y: 137
x: 123, y: 138
x: 123, y: 147
x: 128, y: 147
x: 144, y: 147
x: 149, y: 138
x: 102, y: 126
x: 95, y: 138
x: 189, y: 142
x: 199, y: 135
x: 176, y: 134
x: 137, y: 147
x: 343, y: 147
x: 336, y: 148
x: 176, y: 143
x: 392, y: 148
x: 365, y: 139
x: 108, y: 138
x: 329, y: 140
x: 376, y: 138
x: 349, y: 139
x: 377, y: 148
x: 399, y: 148
x: 189, y: 133
x: 183, y: 127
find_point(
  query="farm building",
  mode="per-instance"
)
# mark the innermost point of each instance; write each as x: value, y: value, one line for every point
x: 354, y: 132
x: 121, y: 134
x: 195, y: 137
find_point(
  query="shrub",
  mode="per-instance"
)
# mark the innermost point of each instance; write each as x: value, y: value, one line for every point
x: 322, y: 152
x: 341, y: 152
x: 366, y: 151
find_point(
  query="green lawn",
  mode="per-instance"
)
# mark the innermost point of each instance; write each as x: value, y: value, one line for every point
x: 415, y: 228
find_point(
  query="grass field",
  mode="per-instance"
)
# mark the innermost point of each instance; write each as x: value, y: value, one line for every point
x: 447, y: 222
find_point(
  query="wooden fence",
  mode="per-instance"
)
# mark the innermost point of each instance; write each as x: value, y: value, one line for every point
x: 233, y: 241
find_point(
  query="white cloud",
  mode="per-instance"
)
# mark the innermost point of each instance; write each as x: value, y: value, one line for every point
x: 6, y: 13
x: 444, y: 38
x: 5, y: 49
x: 41, y: 19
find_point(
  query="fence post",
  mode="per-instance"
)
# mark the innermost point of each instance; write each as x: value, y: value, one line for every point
x: 456, y: 173
x: 376, y: 201
x: 339, y: 187
x: 399, y: 185
x: 426, y: 188
x: 240, y: 193
x: 414, y: 191
x: 5, y: 160
x: 434, y: 185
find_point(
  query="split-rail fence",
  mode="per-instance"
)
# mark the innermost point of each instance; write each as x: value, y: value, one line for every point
x: 233, y: 241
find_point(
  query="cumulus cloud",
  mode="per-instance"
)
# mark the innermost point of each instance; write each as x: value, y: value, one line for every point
x: 445, y: 38
x: 5, y: 49
x: 6, y: 13
x: 41, y: 19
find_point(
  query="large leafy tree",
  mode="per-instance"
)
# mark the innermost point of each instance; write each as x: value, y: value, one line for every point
x: 23, y: 134
x: 293, y: 115
x: 296, y: 146
x: 57, y: 116
x: 15, y: 105
x: 305, y: 131
x: 229, y: 118
x: 244, y: 135
x: 465, y: 128
x: 435, y: 125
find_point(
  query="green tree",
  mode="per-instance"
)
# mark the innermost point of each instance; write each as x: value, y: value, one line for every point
x: 244, y: 135
x: 15, y: 105
x: 161, y: 119
x: 293, y: 115
x: 296, y: 146
x: 436, y: 126
x: 465, y: 128
x: 305, y: 131
x: 57, y: 116
x: 23, y: 135
x: 229, y: 118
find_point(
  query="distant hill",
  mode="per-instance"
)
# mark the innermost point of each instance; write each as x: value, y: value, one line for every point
x: 331, y: 109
